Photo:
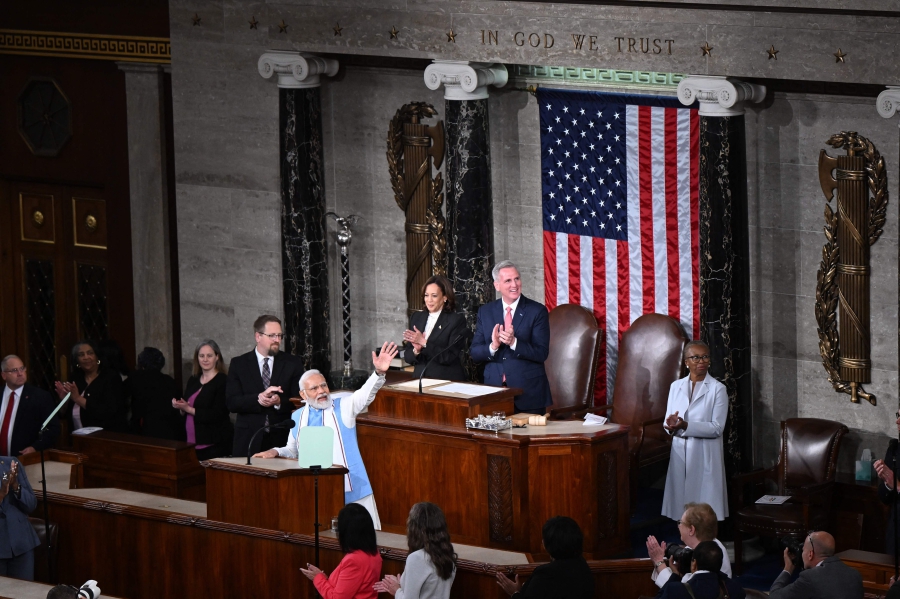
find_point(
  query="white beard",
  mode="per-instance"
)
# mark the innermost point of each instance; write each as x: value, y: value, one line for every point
x: 319, y: 404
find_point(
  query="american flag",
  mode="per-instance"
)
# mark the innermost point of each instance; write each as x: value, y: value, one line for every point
x: 621, y: 211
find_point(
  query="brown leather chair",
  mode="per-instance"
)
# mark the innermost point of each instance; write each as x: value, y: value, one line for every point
x: 805, y: 471
x: 650, y: 360
x: 41, y: 573
x: 571, y: 364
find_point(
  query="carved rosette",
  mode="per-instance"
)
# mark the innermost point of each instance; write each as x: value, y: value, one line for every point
x: 719, y: 96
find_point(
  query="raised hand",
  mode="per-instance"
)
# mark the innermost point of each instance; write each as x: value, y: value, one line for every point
x: 382, y: 361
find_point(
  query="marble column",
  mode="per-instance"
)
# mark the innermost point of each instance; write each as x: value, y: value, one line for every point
x: 149, y: 204
x: 470, y: 221
x: 725, y: 248
x: 303, y: 241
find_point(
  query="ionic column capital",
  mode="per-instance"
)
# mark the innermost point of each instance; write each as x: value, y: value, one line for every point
x: 464, y: 80
x: 888, y: 102
x: 719, y: 96
x: 296, y: 69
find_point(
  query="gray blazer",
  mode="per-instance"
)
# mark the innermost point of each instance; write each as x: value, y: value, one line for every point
x: 17, y: 536
x: 833, y: 579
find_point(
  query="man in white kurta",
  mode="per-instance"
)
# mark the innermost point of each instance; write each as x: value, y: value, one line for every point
x: 695, y: 417
x: 339, y: 413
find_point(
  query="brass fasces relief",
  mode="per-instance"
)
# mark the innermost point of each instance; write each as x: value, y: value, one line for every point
x: 842, y: 284
x: 412, y: 148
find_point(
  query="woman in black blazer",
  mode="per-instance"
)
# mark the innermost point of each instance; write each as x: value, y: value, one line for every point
x: 207, y: 422
x: 433, y: 330
x: 98, y: 396
x: 151, y: 393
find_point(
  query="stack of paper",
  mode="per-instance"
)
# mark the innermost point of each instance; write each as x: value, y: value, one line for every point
x: 594, y: 420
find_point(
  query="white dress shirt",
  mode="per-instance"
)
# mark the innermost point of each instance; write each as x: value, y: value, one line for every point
x: 7, y: 392
x: 513, y: 305
x: 661, y: 578
x: 429, y: 324
x: 259, y: 361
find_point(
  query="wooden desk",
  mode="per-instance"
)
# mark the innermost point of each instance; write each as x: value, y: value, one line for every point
x: 876, y: 569
x: 275, y: 494
x: 854, y: 498
x: 496, y: 490
x: 435, y: 406
x: 142, y: 464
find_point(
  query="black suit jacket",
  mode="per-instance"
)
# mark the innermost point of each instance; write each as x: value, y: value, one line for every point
x: 105, y: 397
x: 705, y: 585
x: 448, y: 327
x: 242, y: 391
x: 152, y: 414
x: 212, y: 424
x: 560, y: 579
x: 35, y: 405
x: 832, y: 580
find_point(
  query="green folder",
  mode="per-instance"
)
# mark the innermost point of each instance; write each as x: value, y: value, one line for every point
x: 315, y: 446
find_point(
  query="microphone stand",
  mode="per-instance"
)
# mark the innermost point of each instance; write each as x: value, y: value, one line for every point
x: 267, y: 428
x: 424, y: 370
x: 316, y: 471
x: 50, y: 572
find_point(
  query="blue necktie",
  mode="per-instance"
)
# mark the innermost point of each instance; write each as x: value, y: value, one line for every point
x: 315, y: 417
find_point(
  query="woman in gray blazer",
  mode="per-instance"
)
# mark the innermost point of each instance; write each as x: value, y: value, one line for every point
x: 17, y: 536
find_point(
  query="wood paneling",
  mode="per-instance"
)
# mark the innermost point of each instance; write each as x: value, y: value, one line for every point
x: 435, y: 408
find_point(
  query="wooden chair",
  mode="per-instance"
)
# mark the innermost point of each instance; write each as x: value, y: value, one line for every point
x: 571, y: 365
x: 805, y: 471
x: 650, y: 360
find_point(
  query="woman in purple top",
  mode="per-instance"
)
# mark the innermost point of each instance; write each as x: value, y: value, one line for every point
x: 206, y: 418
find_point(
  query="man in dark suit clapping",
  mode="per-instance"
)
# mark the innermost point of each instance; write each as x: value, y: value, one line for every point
x: 23, y: 410
x: 513, y: 337
x: 260, y: 386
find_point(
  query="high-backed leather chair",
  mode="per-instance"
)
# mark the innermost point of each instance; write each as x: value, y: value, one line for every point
x: 805, y: 471
x: 571, y: 364
x: 650, y: 360
x: 41, y: 573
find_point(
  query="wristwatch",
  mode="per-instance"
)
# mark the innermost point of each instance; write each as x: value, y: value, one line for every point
x: 659, y: 563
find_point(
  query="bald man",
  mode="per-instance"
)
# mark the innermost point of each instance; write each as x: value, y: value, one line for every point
x: 823, y: 577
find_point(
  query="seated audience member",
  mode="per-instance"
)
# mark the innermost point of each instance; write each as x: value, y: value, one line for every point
x: 707, y: 580
x: 823, y: 576
x: 17, y: 536
x: 697, y: 524
x: 23, y: 411
x: 360, y: 568
x: 432, y: 331
x: 98, y: 396
x: 567, y: 576
x: 431, y: 562
x: 151, y: 394
x: 88, y: 590
x: 206, y: 419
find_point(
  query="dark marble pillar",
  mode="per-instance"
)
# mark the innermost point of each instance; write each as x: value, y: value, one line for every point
x: 725, y: 275
x: 304, y: 267
x: 470, y: 220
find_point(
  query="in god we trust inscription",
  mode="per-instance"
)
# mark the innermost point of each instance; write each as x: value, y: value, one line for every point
x: 580, y: 42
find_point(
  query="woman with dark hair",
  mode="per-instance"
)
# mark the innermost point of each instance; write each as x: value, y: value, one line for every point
x: 109, y: 352
x: 567, y: 576
x: 98, y: 398
x: 356, y: 575
x: 206, y: 419
x: 435, y: 329
x: 431, y: 563
x: 151, y: 394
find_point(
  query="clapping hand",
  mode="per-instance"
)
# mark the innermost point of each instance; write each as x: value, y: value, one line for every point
x: 382, y: 361
x: 415, y: 337
x: 884, y: 473
x: 507, y: 336
x: 674, y: 422
x: 270, y: 397
x: 655, y: 549
x: 509, y: 586
x: 311, y: 571
x: 184, y: 406
x: 390, y: 584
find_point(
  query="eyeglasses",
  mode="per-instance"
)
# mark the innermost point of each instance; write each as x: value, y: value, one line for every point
x: 22, y: 370
x: 276, y: 336
x: 695, y: 359
x: 322, y: 386
x: 809, y: 537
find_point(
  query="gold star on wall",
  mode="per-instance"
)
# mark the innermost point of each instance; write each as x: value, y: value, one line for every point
x: 394, y: 32
x: 839, y: 56
x: 282, y: 27
x: 196, y: 19
x: 773, y: 53
x: 337, y: 29
x: 707, y: 49
x: 253, y: 22
x: 451, y: 37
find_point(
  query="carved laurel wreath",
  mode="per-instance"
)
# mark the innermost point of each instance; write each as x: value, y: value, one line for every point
x: 403, y: 187
x: 827, y: 294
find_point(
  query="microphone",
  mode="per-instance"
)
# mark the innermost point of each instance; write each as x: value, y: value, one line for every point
x: 424, y: 370
x: 289, y: 423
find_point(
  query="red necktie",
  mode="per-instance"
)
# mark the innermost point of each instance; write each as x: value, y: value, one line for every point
x: 507, y: 324
x: 4, y: 431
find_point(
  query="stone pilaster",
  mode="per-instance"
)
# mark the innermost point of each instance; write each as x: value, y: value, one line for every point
x: 725, y: 248
x: 149, y: 204
x: 470, y: 228
x: 303, y: 241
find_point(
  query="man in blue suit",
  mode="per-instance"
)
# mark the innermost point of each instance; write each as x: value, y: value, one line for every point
x: 17, y: 536
x: 513, y: 337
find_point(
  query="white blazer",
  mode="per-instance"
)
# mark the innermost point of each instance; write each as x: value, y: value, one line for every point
x: 697, y: 465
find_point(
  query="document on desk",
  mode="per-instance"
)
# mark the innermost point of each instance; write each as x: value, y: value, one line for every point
x: 414, y: 384
x: 773, y: 499
x: 467, y: 389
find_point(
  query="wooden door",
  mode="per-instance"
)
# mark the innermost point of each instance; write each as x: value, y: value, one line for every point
x: 54, y: 262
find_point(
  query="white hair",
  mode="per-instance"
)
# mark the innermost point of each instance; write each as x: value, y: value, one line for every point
x: 308, y: 374
x: 495, y: 272
x: 6, y: 360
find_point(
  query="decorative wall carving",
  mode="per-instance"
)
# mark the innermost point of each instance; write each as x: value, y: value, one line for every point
x: 500, y: 505
x: 86, y: 45
x: 607, y: 498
